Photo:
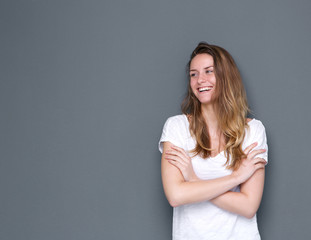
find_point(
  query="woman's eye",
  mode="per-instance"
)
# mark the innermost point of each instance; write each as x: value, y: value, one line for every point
x: 193, y: 75
x: 209, y: 71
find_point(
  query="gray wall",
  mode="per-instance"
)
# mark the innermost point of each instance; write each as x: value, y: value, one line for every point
x: 87, y: 85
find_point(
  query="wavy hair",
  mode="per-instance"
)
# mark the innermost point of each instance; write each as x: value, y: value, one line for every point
x: 230, y: 104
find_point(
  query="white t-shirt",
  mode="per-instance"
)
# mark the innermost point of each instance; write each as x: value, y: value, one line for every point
x: 204, y: 220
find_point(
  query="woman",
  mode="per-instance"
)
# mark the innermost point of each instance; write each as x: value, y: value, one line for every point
x: 213, y: 157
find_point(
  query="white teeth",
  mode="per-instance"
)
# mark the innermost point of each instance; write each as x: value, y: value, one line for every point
x: 205, y: 89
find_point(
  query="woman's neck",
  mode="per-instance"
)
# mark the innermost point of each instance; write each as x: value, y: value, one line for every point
x: 217, y: 140
x: 210, y: 117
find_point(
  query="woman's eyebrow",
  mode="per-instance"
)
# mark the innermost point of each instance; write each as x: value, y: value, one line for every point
x: 204, y: 68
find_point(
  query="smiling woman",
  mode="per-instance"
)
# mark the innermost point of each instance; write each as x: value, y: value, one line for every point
x: 202, y: 77
x: 213, y: 157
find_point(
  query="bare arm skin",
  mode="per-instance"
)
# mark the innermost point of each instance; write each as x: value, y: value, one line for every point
x: 247, y: 201
x: 179, y: 192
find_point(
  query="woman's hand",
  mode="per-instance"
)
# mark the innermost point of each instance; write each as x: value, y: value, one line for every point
x: 180, y: 159
x: 250, y: 164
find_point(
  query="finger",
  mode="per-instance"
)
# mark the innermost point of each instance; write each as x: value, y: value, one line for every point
x: 173, y: 152
x: 175, y: 159
x: 259, y: 161
x: 176, y: 164
x: 253, y: 153
x: 172, y: 157
x: 182, y: 154
x: 175, y: 147
x: 260, y: 166
x: 182, y: 151
x: 178, y: 149
x: 250, y: 147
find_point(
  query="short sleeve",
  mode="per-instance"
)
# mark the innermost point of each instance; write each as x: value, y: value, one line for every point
x: 173, y: 132
x: 258, y: 134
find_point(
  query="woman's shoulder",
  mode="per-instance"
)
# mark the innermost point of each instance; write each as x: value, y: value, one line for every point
x: 254, y: 123
x: 180, y: 119
x: 178, y: 124
x: 255, y: 128
x: 256, y: 132
x: 175, y: 130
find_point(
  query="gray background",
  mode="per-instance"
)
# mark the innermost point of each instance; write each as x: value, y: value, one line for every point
x: 86, y: 87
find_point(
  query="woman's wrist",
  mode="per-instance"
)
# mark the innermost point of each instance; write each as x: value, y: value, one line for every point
x: 192, y: 177
x: 236, y: 178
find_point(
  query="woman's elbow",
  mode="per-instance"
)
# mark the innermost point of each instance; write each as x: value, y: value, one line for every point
x: 174, y: 199
x: 250, y: 207
x: 173, y: 203
x: 249, y: 213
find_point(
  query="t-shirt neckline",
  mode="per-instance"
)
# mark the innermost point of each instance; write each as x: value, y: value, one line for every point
x: 220, y: 153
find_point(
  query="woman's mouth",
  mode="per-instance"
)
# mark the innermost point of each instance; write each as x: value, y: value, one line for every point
x: 204, y: 89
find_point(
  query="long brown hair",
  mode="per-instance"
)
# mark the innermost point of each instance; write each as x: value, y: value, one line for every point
x: 230, y: 105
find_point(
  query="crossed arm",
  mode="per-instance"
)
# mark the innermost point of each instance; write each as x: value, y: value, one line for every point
x: 181, y: 185
x: 247, y: 201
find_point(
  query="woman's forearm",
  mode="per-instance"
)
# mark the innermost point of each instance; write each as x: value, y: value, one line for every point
x: 246, y: 202
x: 180, y: 193
x: 235, y: 202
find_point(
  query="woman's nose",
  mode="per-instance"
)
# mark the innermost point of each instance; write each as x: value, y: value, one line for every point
x: 202, y: 79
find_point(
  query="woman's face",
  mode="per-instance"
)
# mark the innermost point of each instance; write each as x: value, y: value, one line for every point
x: 202, y: 77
